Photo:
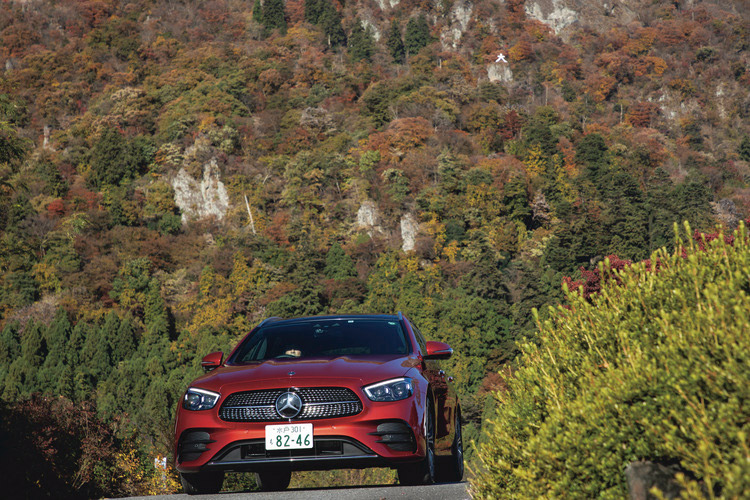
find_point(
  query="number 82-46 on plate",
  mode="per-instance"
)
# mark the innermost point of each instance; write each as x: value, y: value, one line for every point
x: 289, y: 436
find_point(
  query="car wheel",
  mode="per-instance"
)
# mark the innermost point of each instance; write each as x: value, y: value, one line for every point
x: 202, y: 483
x: 273, y: 480
x: 451, y: 468
x: 422, y: 472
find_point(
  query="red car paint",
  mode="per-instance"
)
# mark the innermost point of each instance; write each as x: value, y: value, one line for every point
x: 354, y: 372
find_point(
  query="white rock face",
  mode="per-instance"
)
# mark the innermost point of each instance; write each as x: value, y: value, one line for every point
x: 460, y: 17
x: 45, y: 142
x: 499, y: 72
x: 461, y: 14
x: 366, y: 23
x: 563, y: 14
x: 368, y: 216
x: 675, y: 106
x: 200, y: 199
x: 384, y: 4
x: 558, y: 17
x: 409, y: 230
x: 723, y: 102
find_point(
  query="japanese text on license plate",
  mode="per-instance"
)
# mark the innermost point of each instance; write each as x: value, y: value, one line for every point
x: 289, y: 436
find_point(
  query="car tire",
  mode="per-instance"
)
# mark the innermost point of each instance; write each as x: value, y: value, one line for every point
x: 202, y: 483
x: 422, y: 472
x: 451, y: 468
x: 273, y: 480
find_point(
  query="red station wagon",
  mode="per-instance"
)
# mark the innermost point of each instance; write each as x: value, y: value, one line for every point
x: 318, y: 393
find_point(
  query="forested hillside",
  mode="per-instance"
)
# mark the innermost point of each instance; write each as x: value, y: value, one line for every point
x: 174, y: 171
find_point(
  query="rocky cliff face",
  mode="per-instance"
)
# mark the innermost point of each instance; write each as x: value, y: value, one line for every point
x: 202, y: 198
x: 368, y: 218
x: 561, y: 15
x: 499, y: 72
x: 460, y: 16
x: 409, y: 230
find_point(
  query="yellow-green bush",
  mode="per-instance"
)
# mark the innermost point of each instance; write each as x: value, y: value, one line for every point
x: 657, y: 368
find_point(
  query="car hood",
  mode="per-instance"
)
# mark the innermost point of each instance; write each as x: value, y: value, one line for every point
x: 276, y: 373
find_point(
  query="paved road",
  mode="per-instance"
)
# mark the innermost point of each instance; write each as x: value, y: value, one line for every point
x: 453, y: 491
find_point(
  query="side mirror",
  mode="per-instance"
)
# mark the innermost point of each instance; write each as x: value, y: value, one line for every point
x: 438, y: 350
x: 212, y: 361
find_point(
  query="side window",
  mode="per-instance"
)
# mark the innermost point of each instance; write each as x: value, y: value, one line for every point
x: 420, y: 338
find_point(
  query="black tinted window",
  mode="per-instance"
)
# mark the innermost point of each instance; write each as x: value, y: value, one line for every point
x: 325, y: 338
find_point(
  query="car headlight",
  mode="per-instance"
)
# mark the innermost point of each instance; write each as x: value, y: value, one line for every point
x: 199, y: 399
x: 391, y: 390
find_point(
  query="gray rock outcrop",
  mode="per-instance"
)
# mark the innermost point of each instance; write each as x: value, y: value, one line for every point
x: 499, y: 72
x: 203, y: 198
x: 460, y: 17
x: 409, y: 230
x: 566, y: 15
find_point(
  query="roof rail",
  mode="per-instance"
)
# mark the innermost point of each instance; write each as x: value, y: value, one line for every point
x: 400, y: 316
x: 269, y: 319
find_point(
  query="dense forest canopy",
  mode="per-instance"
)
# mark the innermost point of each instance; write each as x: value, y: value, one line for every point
x: 174, y: 171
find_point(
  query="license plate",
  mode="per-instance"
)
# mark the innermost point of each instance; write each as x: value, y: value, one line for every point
x: 289, y: 436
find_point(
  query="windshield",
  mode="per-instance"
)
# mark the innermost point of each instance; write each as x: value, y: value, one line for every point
x: 324, y: 338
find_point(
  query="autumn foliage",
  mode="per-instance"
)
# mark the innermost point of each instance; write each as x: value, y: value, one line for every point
x: 171, y: 173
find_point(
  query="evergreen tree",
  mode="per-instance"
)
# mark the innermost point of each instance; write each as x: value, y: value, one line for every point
x: 10, y: 350
x: 661, y: 214
x: 537, y: 133
x: 313, y: 10
x: 625, y: 218
x: 486, y: 279
x: 115, y: 159
x: 64, y: 385
x: 12, y: 147
x: 155, y: 314
x: 516, y: 199
x: 124, y: 344
x: 57, y: 337
x: 75, y: 345
x: 306, y: 299
x: 417, y: 35
x: 361, y: 42
x: 330, y: 20
x: 258, y: 12
x: 395, y: 43
x: 576, y: 241
x: 10, y: 345
x: 274, y: 16
x: 81, y: 380
x: 110, y: 330
x: 339, y: 265
x: 744, y: 149
x: 592, y: 152
x: 33, y: 354
x: 33, y: 345
x: 96, y: 361
x: 692, y: 200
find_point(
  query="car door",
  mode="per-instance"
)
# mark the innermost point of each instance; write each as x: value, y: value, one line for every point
x: 444, y: 397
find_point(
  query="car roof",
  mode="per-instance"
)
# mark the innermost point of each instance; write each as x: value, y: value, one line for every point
x: 310, y: 319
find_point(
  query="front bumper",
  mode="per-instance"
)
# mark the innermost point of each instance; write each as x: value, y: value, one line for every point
x: 382, y: 435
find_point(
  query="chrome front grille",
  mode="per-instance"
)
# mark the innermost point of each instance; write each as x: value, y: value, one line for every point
x: 329, y: 410
x: 317, y: 402
x: 254, y: 398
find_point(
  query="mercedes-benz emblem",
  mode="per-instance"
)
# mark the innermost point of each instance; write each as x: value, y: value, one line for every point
x: 288, y: 405
x: 292, y: 373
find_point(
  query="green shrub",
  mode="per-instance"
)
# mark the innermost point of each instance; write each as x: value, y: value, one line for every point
x: 657, y: 368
